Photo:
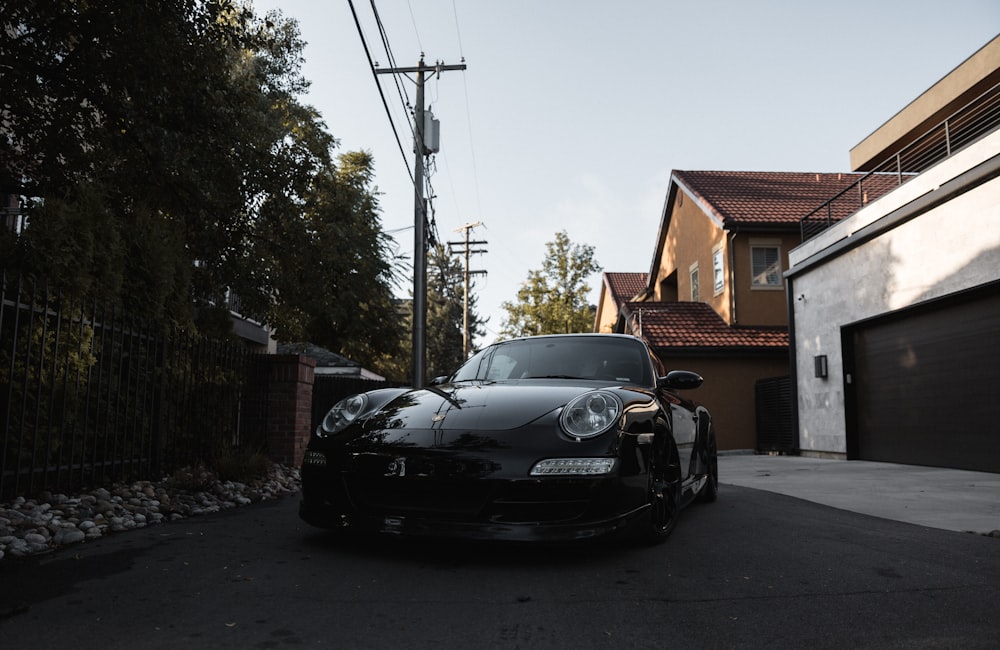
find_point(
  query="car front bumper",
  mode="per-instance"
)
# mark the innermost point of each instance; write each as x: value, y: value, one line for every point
x: 528, y: 510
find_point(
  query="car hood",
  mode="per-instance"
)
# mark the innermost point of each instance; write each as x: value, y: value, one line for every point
x: 477, y: 406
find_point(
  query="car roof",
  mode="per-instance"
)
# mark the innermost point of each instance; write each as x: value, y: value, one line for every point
x: 572, y: 335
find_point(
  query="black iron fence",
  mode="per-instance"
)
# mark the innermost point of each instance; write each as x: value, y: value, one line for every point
x: 89, y: 395
x: 775, y: 416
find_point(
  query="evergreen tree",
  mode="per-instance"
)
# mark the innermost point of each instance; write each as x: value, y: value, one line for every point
x: 445, y: 313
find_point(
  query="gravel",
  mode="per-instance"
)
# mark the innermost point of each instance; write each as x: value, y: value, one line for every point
x: 33, y: 526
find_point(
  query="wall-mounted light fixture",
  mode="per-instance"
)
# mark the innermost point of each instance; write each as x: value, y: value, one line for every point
x: 821, y: 367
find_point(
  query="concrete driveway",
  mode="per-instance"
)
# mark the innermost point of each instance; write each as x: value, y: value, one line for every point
x: 950, y: 499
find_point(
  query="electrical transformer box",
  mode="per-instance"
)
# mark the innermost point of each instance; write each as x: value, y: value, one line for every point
x: 432, y: 133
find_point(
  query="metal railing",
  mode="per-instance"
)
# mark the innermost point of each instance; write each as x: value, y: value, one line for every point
x: 91, y: 396
x: 976, y: 119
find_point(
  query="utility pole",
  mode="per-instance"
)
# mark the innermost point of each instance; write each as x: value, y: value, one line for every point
x: 467, y: 250
x: 420, y: 217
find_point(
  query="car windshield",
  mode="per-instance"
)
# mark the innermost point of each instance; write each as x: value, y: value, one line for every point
x: 606, y: 358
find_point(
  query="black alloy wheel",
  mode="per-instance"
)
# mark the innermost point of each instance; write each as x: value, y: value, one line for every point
x: 664, y: 494
x: 710, y: 491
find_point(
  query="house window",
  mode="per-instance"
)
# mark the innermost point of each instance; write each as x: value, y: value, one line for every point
x: 765, y: 260
x: 718, y: 271
x: 695, y: 294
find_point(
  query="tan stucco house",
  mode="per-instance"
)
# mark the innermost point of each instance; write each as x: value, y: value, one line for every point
x: 714, y: 297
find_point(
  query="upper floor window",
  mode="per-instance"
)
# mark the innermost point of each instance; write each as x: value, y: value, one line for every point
x: 765, y: 260
x: 718, y: 270
x: 695, y: 293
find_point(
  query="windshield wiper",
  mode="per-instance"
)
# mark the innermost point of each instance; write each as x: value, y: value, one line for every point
x: 457, y: 403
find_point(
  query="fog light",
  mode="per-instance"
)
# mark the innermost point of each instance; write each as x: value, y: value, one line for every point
x: 315, y: 458
x: 573, y: 467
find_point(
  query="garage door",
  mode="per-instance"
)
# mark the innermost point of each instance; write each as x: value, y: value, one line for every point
x: 925, y: 385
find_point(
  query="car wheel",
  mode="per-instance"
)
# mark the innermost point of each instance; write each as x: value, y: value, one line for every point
x: 710, y: 491
x: 664, y: 495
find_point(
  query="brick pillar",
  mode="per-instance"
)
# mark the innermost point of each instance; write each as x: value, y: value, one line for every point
x: 290, y: 380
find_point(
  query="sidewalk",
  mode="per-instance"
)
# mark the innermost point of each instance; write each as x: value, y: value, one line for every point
x: 951, y: 499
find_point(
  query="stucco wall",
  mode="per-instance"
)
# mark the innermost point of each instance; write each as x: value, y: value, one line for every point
x: 758, y: 306
x: 952, y: 247
x: 690, y: 238
x: 728, y: 393
x: 607, y: 314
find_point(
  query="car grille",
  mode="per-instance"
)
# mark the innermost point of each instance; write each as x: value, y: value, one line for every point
x: 521, y: 502
x: 429, y: 498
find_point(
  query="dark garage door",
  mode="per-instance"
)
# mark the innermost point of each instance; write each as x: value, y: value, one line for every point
x: 925, y: 385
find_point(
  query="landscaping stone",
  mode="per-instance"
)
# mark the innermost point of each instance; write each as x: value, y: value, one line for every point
x: 39, y: 525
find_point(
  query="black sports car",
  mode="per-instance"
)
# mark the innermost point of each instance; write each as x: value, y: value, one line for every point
x: 542, y: 438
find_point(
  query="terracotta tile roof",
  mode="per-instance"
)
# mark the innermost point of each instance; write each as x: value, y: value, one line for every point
x: 695, y: 326
x: 625, y: 286
x: 774, y: 198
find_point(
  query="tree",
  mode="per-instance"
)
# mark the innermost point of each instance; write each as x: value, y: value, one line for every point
x: 168, y: 117
x: 329, y: 271
x: 123, y: 125
x: 445, y: 313
x: 553, y: 300
x: 445, y: 320
x: 167, y: 162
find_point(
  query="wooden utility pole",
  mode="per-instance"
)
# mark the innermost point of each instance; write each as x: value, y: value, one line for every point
x: 467, y: 250
x: 420, y: 217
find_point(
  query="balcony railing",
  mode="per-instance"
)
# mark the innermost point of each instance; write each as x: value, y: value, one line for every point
x: 966, y: 125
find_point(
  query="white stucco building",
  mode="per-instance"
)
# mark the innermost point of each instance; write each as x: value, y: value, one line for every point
x: 895, y: 311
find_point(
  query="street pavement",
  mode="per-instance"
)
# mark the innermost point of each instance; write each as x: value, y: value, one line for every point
x: 949, y: 499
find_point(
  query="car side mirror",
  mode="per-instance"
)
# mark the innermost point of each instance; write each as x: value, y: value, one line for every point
x: 437, y: 381
x: 680, y: 380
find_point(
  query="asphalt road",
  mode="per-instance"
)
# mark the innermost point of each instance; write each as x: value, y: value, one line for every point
x: 755, y: 569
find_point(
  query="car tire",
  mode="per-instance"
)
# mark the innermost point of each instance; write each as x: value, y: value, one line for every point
x: 710, y: 491
x: 664, y: 495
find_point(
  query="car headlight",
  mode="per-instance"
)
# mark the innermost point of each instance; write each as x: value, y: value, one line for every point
x: 342, y: 414
x: 590, y: 414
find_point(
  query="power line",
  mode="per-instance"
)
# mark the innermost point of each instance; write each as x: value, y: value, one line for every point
x: 404, y: 98
x: 468, y: 113
x: 458, y: 32
x: 413, y: 19
x: 385, y: 103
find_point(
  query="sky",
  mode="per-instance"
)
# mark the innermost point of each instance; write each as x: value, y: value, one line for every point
x: 571, y: 114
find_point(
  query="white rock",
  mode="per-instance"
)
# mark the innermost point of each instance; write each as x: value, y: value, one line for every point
x: 18, y: 547
x: 35, y: 538
x: 69, y: 536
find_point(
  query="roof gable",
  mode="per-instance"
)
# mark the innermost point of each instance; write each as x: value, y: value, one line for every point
x: 624, y: 286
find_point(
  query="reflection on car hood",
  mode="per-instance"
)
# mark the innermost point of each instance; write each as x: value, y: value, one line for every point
x: 475, y: 406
